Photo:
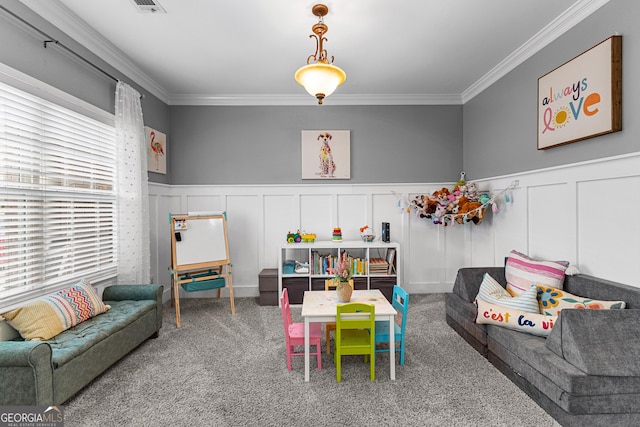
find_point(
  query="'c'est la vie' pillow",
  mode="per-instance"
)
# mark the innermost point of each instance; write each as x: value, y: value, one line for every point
x: 552, y: 301
x: 48, y: 316
x: 511, y: 318
x: 493, y: 292
x: 522, y: 271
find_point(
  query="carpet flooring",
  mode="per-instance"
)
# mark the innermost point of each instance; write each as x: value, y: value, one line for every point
x: 222, y: 370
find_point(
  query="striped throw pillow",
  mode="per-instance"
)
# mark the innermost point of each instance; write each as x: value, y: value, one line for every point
x: 48, y: 316
x: 492, y: 292
x: 522, y: 271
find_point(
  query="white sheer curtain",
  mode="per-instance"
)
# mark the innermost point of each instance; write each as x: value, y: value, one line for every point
x: 134, y: 258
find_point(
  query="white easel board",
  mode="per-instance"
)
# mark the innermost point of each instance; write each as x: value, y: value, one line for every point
x: 199, y: 241
x: 199, y: 253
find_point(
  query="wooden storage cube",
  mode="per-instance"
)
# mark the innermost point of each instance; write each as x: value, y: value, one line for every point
x: 296, y: 287
x: 268, y: 280
x: 385, y: 285
x: 268, y: 286
x: 317, y: 284
x: 268, y: 298
x: 360, y: 283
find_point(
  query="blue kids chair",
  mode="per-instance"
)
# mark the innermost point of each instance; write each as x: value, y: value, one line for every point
x: 400, y: 302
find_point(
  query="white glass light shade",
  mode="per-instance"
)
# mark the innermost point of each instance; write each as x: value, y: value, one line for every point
x: 320, y: 79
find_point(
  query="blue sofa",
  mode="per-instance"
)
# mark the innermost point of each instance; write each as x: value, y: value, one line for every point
x: 50, y: 372
x: 586, y: 372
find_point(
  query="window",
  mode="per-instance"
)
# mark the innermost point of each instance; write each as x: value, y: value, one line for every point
x: 57, y: 197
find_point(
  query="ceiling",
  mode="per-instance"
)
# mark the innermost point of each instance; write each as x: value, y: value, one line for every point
x: 230, y: 52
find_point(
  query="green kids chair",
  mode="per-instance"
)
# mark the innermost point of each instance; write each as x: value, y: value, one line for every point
x: 355, y: 334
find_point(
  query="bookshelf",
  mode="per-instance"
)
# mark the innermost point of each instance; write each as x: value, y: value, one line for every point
x: 374, y: 266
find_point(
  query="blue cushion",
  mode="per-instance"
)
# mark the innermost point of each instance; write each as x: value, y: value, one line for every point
x: 75, y: 341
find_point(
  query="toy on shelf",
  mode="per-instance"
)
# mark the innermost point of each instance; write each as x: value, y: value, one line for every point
x: 367, y: 234
x: 308, y: 237
x: 294, y: 237
x: 337, y: 234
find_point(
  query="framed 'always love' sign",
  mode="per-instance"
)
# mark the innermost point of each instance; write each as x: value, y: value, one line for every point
x: 582, y: 98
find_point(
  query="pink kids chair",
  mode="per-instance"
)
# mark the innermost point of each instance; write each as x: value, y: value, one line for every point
x: 294, y: 333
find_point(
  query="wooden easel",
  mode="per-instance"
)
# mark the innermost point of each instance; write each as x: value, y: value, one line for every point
x: 199, y: 254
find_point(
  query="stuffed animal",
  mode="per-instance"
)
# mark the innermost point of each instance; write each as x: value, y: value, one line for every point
x: 469, y: 212
x: 441, y: 194
x: 430, y: 205
x: 461, y: 181
x: 425, y: 206
x: 478, y: 215
x: 439, y: 214
x: 471, y: 191
x: 484, y: 198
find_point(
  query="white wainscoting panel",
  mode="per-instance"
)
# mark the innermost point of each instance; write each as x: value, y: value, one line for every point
x: 453, y: 255
x: 317, y: 215
x: 161, y: 203
x: 280, y: 216
x: 243, y: 223
x: 154, y: 250
x: 509, y: 225
x: 203, y: 203
x: 480, y: 242
x: 352, y: 214
x: 551, y: 221
x: 424, y: 255
x: 384, y: 208
x: 608, y: 238
x: 574, y: 213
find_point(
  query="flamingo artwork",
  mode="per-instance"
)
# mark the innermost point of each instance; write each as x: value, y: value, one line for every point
x: 157, y: 147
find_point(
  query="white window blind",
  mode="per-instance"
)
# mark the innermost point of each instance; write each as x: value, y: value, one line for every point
x: 57, y: 197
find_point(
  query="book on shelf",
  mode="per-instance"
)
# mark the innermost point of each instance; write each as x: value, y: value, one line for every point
x: 321, y: 263
x: 378, y: 266
x: 391, y: 260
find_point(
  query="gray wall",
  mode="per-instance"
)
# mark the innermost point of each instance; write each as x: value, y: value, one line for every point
x: 500, y: 123
x: 491, y: 135
x: 22, y: 49
x: 261, y: 145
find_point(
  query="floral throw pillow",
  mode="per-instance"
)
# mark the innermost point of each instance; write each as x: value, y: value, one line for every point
x: 552, y: 301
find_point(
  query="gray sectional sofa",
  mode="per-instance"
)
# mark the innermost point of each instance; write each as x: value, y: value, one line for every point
x: 50, y: 372
x: 586, y: 372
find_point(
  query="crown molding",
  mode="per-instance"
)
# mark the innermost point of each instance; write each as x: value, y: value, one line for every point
x: 560, y: 25
x: 304, y: 99
x: 65, y: 20
x: 68, y: 22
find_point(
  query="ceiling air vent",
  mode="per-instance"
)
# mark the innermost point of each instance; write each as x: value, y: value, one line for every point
x: 149, y: 6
